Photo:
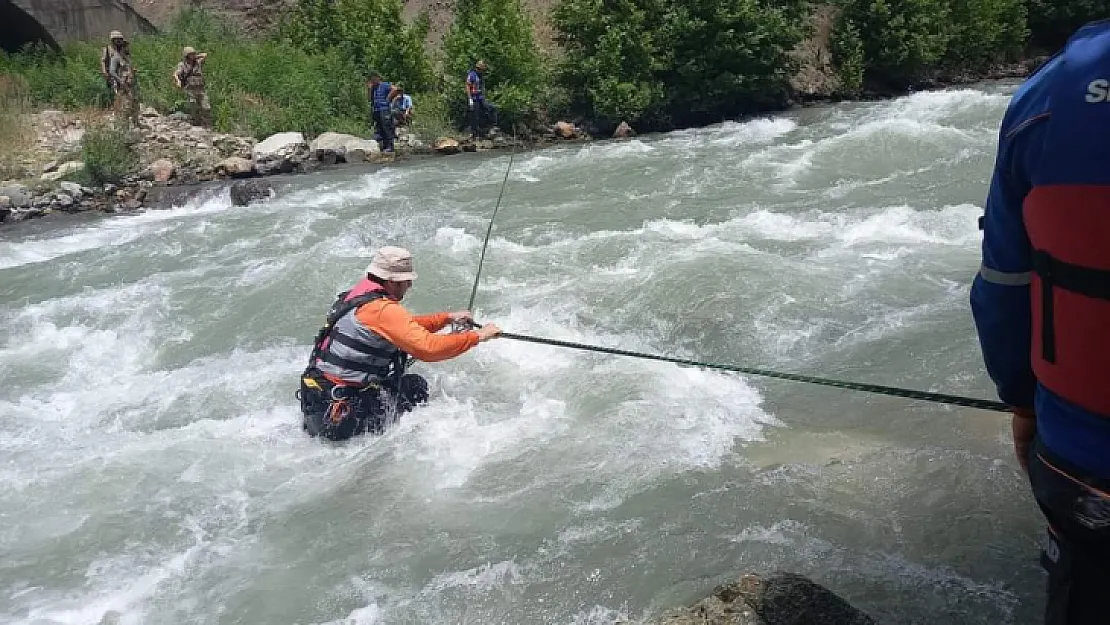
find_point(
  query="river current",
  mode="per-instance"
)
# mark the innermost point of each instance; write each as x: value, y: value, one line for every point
x: 153, y: 467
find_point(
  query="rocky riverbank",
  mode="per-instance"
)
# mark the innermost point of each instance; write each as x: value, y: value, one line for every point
x: 170, y: 152
x: 779, y: 599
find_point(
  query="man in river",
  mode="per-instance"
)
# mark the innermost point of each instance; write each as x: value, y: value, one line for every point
x: 1041, y: 304
x: 355, y: 381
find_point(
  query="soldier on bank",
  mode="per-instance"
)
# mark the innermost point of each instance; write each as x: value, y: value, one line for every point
x: 116, y: 41
x: 122, y: 72
x: 189, y: 76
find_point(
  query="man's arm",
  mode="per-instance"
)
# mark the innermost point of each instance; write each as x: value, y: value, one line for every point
x: 1000, y: 301
x: 396, y: 325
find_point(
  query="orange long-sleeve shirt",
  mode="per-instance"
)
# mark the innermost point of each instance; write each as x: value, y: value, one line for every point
x: 414, y: 334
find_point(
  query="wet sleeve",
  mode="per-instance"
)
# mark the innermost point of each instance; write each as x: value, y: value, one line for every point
x: 434, y: 322
x: 1000, y: 299
x: 395, y: 323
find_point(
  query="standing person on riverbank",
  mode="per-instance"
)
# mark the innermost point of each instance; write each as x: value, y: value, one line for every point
x: 189, y: 76
x: 480, y: 108
x: 125, y: 84
x: 381, y: 94
x: 116, y: 40
x: 1041, y: 304
x: 355, y: 381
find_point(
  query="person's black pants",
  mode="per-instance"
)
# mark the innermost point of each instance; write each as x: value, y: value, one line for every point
x: 384, y: 132
x: 339, y: 412
x: 482, y: 111
x: 1077, y: 554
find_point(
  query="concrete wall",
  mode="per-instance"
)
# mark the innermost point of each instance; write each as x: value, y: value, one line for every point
x: 59, y: 21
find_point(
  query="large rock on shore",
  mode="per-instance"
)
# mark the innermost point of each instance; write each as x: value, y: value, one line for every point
x: 281, y: 153
x: 334, y: 147
x: 781, y: 599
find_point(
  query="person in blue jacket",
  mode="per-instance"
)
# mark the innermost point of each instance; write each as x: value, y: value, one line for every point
x: 1041, y: 304
x: 381, y: 95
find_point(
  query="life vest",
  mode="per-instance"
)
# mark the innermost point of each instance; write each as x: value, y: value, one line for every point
x: 348, y: 350
x: 1067, y: 219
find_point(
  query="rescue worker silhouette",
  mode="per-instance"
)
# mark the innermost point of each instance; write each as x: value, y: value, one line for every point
x: 1041, y: 304
x: 355, y: 381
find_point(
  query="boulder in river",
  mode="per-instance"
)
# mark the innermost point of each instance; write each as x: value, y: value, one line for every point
x: 246, y: 191
x: 780, y: 599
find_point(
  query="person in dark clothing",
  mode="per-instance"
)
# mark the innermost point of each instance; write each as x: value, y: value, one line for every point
x: 479, y: 107
x: 381, y: 95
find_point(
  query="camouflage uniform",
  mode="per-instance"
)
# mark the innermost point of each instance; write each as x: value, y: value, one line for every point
x: 122, y: 76
x: 191, y: 77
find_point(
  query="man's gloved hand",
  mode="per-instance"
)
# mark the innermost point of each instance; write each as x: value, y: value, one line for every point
x: 1024, y: 428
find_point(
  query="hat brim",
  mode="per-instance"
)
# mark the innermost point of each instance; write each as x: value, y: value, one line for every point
x: 392, y: 276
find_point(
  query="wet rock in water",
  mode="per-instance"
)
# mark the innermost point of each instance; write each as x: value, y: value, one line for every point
x: 5, y: 207
x: 446, y: 145
x: 247, y: 191
x: 280, y: 153
x: 624, y: 131
x: 781, y: 599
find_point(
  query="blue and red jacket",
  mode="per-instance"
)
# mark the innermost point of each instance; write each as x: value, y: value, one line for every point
x: 1041, y: 301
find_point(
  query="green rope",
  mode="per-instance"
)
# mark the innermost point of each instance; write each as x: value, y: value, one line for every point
x: 893, y: 391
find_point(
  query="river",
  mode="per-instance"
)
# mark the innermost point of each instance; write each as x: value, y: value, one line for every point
x: 153, y: 467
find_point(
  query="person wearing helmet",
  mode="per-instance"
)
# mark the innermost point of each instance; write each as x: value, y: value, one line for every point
x: 189, y: 76
x: 355, y: 381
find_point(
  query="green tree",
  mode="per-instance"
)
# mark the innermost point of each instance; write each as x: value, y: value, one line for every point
x: 985, y: 32
x: 1051, y: 22
x: 730, y: 57
x: 613, y: 50
x: 500, y: 33
x: 372, y: 33
x: 901, y: 38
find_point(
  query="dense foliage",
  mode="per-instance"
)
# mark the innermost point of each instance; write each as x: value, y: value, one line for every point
x: 500, y: 33
x: 654, y: 63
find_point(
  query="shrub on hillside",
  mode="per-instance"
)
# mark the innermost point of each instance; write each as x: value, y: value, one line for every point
x: 107, y: 152
x: 500, y: 33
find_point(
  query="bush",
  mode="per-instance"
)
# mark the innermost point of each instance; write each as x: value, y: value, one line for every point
x: 662, y: 62
x: 901, y: 38
x: 985, y: 32
x: 1051, y: 22
x: 498, y: 32
x: 370, y: 33
x: 107, y: 152
x: 848, y: 57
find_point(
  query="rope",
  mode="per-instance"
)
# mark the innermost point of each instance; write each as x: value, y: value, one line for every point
x: 489, y: 230
x: 892, y: 391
